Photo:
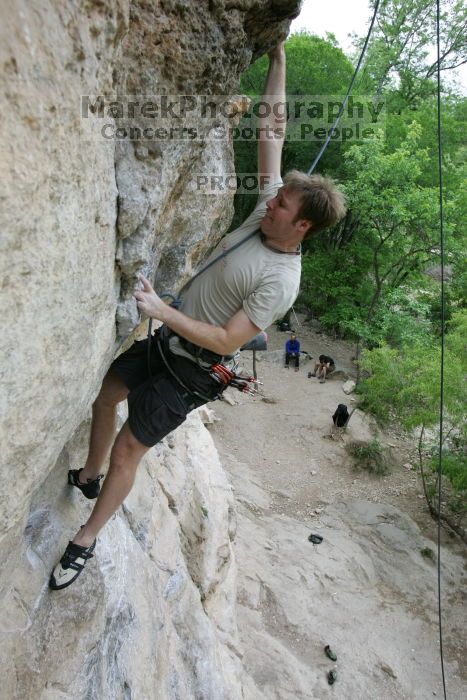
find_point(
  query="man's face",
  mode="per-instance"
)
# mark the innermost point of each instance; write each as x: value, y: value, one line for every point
x: 278, y: 224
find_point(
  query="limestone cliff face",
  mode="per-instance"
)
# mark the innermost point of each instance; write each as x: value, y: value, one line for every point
x: 81, y: 214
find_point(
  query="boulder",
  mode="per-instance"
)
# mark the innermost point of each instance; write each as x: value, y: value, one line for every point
x: 349, y: 386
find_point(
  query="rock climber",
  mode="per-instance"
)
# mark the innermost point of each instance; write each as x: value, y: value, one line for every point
x: 222, y: 309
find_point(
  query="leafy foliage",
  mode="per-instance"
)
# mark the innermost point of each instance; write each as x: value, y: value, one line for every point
x: 369, y: 456
x: 351, y: 278
x: 405, y: 382
x: 405, y: 385
x: 400, y: 55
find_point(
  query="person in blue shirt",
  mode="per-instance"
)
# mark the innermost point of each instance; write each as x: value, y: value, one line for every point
x: 292, y: 351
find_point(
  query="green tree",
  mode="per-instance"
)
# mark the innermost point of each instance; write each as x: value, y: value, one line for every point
x: 404, y: 386
x: 351, y: 272
x: 398, y: 217
x: 454, y: 117
x: 401, y: 51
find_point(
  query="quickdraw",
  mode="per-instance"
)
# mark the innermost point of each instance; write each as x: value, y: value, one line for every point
x: 223, y: 375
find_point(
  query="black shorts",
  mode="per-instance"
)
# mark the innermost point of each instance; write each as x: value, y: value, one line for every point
x: 159, y: 404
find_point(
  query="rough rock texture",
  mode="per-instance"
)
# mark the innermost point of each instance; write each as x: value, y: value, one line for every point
x: 154, y: 615
x: 80, y: 216
x: 365, y: 590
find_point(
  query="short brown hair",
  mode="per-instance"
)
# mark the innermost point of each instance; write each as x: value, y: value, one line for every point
x: 321, y: 202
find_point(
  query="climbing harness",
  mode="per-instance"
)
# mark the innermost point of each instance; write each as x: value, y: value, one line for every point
x: 193, y: 392
x: 206, y: 359
x: 221, y: 374
x: 212, y: 362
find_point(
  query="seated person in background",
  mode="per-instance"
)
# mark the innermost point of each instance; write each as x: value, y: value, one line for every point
x: 292, y: 350
x: 341, y: 416
x: 324, y: 365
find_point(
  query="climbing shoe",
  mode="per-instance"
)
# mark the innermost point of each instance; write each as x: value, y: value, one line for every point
x: 90, y: 489
x: 315, y: 538
x: 332, y: 677
x: 70, y: 565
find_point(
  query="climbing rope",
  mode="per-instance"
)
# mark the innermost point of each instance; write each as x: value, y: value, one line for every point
x: 440, y: 180
x: 441, y: 400
x: 343, y: 104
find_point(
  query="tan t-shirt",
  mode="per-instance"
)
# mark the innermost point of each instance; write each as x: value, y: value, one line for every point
x: 261, y: 281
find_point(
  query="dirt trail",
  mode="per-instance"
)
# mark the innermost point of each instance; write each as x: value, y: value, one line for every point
x: 290, y: 479
x: 285, y: 435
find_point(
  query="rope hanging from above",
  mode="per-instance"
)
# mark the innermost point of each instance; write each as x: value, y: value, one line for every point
x: 343, y: 104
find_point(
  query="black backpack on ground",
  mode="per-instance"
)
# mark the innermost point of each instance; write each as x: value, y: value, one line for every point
x: 284, y: 326
x: 341, y: 416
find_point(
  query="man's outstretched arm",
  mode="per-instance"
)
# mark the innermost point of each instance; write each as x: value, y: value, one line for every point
x: 272, y: 125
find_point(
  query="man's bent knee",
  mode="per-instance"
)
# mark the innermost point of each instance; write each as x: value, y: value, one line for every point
x: 127, y: 449
x: 113, y: 390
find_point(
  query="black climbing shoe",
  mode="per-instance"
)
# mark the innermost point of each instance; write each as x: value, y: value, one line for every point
x: 332, y: 677
x: 316, y: 539
x: 91, y: 489
x: 70, y: 565
x: 330, y: 653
